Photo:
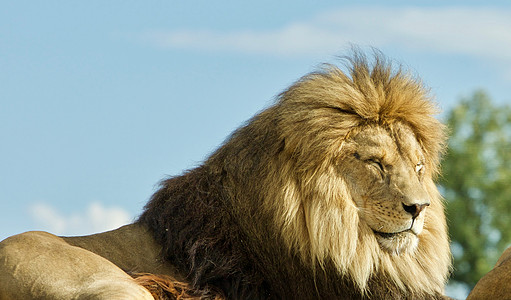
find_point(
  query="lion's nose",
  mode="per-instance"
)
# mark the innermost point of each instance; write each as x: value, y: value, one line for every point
x: 415, y: 209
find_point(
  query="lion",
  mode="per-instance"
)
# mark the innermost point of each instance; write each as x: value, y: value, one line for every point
x: 495, y: 284
x: 328, y: 193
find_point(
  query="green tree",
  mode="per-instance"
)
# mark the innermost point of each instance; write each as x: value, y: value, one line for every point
x: 476, y: 183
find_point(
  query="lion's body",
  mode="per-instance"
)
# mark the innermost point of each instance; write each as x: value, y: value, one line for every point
x: 329, y: 193
x: 495, y: 284
x: 38, y: 265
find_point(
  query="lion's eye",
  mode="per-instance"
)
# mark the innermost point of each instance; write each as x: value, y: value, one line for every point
x: 376, y: 163
x: 372, y: 161
x: 419, y: 167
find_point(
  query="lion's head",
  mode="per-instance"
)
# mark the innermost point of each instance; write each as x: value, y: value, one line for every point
x: 338, y: 172
x: 361, y: 153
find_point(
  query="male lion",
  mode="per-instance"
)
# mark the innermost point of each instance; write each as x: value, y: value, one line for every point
x: 329, y: 194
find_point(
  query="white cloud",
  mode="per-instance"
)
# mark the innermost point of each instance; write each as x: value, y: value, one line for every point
x: 294, y: 39
x: 96, y: 218
x: 483, y: 32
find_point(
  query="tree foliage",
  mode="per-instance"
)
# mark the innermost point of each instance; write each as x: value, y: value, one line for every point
x: 476, y: 183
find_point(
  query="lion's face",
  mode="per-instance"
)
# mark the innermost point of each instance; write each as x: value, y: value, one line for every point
x: 386, y: 172
x: 350, y: 178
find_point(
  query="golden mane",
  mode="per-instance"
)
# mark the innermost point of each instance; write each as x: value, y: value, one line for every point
x: 322, y: 110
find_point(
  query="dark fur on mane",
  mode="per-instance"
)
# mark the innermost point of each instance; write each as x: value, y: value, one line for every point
x: 213, y: 227
x: 198, y: 234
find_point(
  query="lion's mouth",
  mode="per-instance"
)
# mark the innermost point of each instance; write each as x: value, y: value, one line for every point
x: 389, y: 235
x: 397, y: 242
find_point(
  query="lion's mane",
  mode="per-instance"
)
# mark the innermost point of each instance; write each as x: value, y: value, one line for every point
x: 263, y: 217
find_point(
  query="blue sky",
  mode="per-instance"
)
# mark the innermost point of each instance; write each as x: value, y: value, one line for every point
x: 99, y: 100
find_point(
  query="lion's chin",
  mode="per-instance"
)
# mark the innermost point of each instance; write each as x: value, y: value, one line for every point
x: 397, y: 243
